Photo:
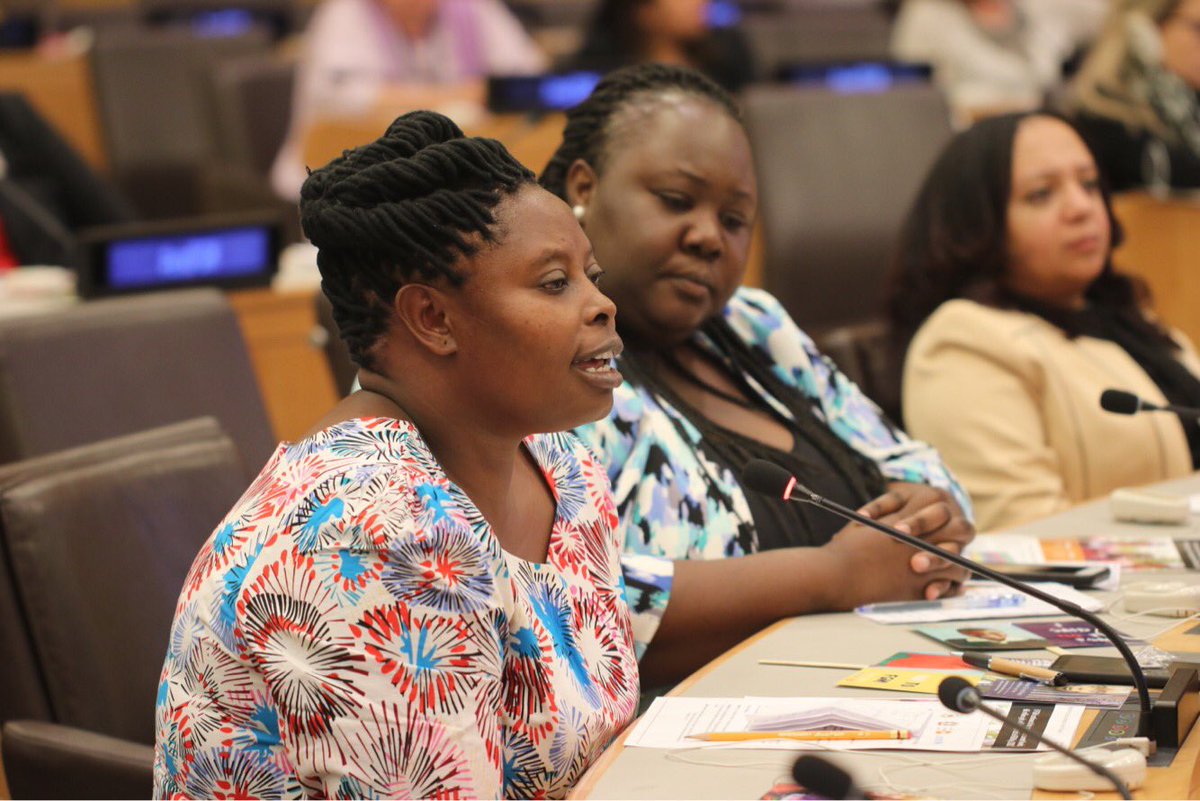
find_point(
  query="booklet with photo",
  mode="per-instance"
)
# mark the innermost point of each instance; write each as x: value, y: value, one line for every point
x: 982, y: 636
x: 1104, y: 695
x: 1067, y: 633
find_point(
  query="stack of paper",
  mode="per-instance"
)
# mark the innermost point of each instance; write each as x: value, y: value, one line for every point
x: 671, y: 723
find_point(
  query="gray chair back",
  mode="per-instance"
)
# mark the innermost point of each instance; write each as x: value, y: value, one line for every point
x: 97, y: 541
x: 152, y: 86
x: 837, y: 173
x: 117, y: 366
x: 253, y: 105
x: 826, y: 33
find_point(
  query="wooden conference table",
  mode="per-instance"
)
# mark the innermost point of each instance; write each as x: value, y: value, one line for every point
x: 707, y: 773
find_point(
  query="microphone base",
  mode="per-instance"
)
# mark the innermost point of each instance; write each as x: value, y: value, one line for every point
x: 1177, y: 708
x: 1057, y: 773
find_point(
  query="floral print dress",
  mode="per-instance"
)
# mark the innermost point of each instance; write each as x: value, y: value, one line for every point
x: 354, y: 629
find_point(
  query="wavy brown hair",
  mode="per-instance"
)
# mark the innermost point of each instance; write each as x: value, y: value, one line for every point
x: 954, y: 240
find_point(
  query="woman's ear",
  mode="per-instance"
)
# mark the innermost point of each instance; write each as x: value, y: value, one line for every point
x: 423, y: 312
x: 581, y: 186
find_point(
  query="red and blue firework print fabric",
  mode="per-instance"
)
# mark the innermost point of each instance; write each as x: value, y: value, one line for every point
x: 354, y: 629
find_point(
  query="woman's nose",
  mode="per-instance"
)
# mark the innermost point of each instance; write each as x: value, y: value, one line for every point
x: 600, y: 307
x: 703, y: 237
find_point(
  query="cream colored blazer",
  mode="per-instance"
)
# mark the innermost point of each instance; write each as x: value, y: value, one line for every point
x: 1014, y: 407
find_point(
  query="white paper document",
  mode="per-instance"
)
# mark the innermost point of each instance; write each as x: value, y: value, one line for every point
x: 979, y: 601
x: 670, y: 721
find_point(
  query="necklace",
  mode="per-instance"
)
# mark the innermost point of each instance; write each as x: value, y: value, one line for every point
x: 687, y: 375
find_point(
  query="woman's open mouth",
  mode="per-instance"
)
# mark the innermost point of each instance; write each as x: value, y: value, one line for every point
x: 598, y: 369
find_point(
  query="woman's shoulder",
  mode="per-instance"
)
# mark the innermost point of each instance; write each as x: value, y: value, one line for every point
x: 756, y: 314
x: 356, y: 461
x: 382, y: 440
x: 967, y: 321
x: 333, y: 15
x: 562, y: 445
x: 763, y: 324
x: 1010, y: 338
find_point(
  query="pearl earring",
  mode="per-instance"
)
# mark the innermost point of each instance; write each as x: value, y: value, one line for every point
x: 579, y: 210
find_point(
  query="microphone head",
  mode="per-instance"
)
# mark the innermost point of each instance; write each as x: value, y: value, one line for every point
x: 767, y: 478
x: 1118, y: 401
x: 956, y: 693
x: 824, y: 778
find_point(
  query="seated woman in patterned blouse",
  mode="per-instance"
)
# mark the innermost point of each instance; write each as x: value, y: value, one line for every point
x: 658, y: 169
x: 424, y: 596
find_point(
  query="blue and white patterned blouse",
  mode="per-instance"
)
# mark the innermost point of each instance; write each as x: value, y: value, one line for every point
x: 675, y: 502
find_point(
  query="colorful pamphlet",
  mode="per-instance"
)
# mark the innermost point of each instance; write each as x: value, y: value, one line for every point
x: 906, y: 681
x: 982, y: 636
x: 912, y: 673
x: 1103, y: 695
x: 1130, y: 553
x: 1150, y: 553
x: 913, y: 661
x: 1067, y: 633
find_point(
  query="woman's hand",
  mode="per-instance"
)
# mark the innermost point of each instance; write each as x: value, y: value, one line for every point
x: 869, y: 567
x: 931, y: 514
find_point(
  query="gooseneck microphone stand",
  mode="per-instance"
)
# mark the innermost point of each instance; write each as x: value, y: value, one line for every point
x: 771, y: 479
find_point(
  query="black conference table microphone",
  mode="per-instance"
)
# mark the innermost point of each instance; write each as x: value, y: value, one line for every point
x: 956, y: 693
x: 1118, y: 401
x: 824, y: 778
x: 771, y: 479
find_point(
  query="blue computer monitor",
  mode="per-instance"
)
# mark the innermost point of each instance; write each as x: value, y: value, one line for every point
x: 856, y: 77
x: 520, y: 94
x: 230, y: 252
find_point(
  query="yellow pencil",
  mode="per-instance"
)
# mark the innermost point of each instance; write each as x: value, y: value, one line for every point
x: 858, y: 734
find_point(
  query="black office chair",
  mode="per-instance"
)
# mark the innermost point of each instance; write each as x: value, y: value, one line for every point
x: 112, y: 367
x: 48, y: 193
x: 96, y: 542
x: 783, y: 38
x: 153, y: 90
x: 837, y: 173
x: 868, y: 354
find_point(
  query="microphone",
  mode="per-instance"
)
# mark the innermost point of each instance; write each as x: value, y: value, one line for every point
x: 771, y: 479
x: 824, y: 778
x: 957, y: 694
x: 1118, y: 401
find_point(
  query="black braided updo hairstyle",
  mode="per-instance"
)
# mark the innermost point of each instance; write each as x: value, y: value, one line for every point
x: 405, y: 207
x: 589, y: 125
x: 588, y: 136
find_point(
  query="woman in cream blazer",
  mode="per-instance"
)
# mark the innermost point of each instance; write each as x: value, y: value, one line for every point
x: 1021, y: 322
x: 1013, y: 405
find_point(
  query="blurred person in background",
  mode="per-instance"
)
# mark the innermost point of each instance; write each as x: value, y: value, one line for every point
x: 1137, y: 96
x: 388, y: 56
x: 48, y: 193
x: 994, y: 56
x: 679, y: 32
x: 1018, y: 321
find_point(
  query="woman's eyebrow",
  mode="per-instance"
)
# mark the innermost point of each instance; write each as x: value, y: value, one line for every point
x: 559, y: 253
x: 696, y: 178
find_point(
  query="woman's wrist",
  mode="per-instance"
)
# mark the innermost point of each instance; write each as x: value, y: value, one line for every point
x: 827, y: 572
